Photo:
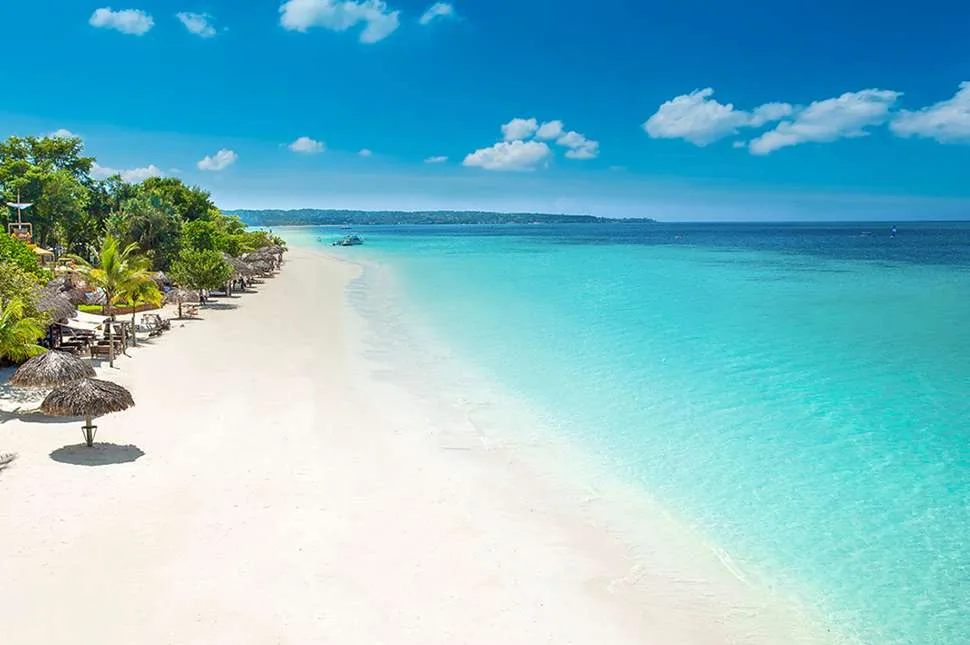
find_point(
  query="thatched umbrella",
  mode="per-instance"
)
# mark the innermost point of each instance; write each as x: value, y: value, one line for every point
x: 262, y: 267
x: 76, y: 296
x: 239, y: 267
x: 178, y: 296
x: 87, y: 398
x: 51, y: 369
x: 55, y: 303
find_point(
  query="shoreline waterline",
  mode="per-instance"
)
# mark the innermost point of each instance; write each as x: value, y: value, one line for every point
x: 661, y: 566
x: 790, y: 393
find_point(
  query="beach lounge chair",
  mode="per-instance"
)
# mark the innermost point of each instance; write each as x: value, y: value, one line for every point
x: 99, y: 350
x: 160, y: 323
x: 149, y: 325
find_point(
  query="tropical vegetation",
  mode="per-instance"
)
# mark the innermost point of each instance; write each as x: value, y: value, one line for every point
x: 19, y: 333
x: 119, y: 234
x: 201, y: 269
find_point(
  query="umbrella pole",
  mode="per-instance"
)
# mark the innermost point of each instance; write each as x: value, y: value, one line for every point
x: 89, y: 430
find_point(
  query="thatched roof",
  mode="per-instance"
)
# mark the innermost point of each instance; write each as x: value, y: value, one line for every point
x: 238, y: 266
x: 71, y: 286
x: 179, y: 296
x: 55, y: 303
x: 261, y: 267
x: 87, y: 398
x: 76, y: 296
x: 161, y: 279
x: 51, y: 369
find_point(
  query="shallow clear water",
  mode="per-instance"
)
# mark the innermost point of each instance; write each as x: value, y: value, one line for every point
x: 797, y: 393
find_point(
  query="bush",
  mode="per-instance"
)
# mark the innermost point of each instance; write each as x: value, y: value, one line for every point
x: 17, y: 252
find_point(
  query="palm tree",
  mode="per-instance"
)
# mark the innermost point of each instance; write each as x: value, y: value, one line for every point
x: 140, y: 289
x: 118, y: 272
x: 19, y: 333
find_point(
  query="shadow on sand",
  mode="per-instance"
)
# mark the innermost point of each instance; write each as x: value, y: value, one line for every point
x: 219, y: 306
x: 34, y: 416
x: 101, y: 454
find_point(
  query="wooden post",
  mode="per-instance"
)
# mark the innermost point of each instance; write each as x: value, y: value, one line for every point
x: 89, y: 430
x: 111, y: 342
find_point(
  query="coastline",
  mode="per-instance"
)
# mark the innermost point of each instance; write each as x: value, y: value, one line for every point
x: 292, y: 489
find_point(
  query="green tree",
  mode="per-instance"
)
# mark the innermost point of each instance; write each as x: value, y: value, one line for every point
x: 151, y: 223
x: 55, y: 153
x: 51, y: 173
x: 190, y: 203
x: 19, y: 333
x: 204, y: 235
x: 200, y: 270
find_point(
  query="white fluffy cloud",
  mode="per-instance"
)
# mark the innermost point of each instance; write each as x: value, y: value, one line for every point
x: 842, y: 117
x: 437, y: 10
x: 550, y: 130
x: 365, y: 153
x: 509, y: 155
x: 307, y: 146
x: 947, y: 121
x: 579, y: 146
x: 199, y: 24
x: 769, y: 113
x: 519, y: 129
x: 127, y: 21
x: 523, y: 147
x: 701, y: 120
x: 219, y: 161
x: 132, y: 176
x: 339, y: 15
x: 62, y: 134
x: 436, y: 159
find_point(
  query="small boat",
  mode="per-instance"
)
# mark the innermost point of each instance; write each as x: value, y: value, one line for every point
x: 349, y: 240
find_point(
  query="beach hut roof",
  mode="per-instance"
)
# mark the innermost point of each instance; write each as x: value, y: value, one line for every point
x: 55, y: 303
x: 51, y: 369
x: 87, y: 398
x: 179, y: 295
x: 261, y: 266
x: 240, y: 267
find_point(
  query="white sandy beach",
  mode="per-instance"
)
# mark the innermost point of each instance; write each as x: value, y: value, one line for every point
x: 286, y: 496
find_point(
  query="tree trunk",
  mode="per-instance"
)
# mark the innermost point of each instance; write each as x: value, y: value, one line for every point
x: 134, y: 332
x: 180, y: 310
x: 111, y: 342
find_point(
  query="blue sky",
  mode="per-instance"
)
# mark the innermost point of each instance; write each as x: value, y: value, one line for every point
x: 695, y: 110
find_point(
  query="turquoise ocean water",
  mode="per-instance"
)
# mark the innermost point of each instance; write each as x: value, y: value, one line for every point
x: 801, y: 394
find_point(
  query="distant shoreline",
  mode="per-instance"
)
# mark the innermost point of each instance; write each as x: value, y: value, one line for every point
x: 317, y: 217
